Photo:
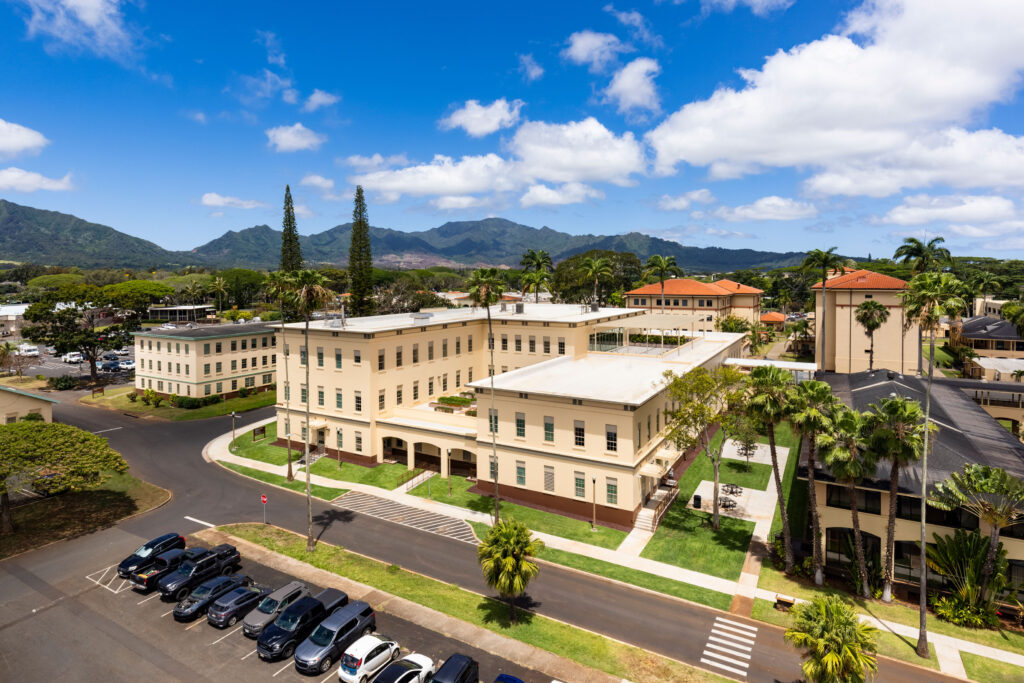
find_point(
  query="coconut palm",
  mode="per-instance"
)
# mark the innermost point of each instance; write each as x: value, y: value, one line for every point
x: 278, y: 286
x: 535, y: 280
x: 768, y: 406
x: 219, y: 288
x: 923, y: 256
x: 309, y: 295
x: 811, y: 407
x: 506, y: 557
x: 662, y: 267
x: 845, y: 453
x: 983, y: 283
x: 7, y: 351
x: 485, y: 288
x: 838, y: 646
x: 1017, y: 374
x: 871, y: 315
x: 992, y: 495
x: 824, y: 262
x: 593, y: 269
x: 192, y: 292
x: 537, y: 261
x: 783, y: 299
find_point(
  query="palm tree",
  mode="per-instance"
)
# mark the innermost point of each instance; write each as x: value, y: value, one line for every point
x: 927, y: 298
x: 871, y: 315
x: 1017, y: 374
x: 923, y: 256
x: 537, y: 260
x: 992, y: 495
x: 661, y: 267
x: 535, y: 280
x: 219, y: 288
x: 309, y: 295
x: 506, y: 557
x: 812, y: 406
x: 7, y: 351
x: 278, y: 286
x: 192, y: 292
x: 783, y: 299
x: 768, y: 405
x: 485, y: 288
x: 823, y: 262
x: 985, y: 282
x: 594, y: 269
x: 838, y: 646
x: 845, y: 454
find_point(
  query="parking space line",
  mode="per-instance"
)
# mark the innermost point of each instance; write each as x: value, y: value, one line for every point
x: 112, y: 429
x: 166, y: 613
x: 328, y: 677
x: 226, y: 635
x: 282, y: 669
x: 199, y: 521
x: 155, y: 595
x: 249, y: 655
x: 192, y: 626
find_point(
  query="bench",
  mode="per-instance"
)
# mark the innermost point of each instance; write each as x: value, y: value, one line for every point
x: 784, y: 601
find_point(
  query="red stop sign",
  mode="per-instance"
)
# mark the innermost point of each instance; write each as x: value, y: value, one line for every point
x: 263, y: 499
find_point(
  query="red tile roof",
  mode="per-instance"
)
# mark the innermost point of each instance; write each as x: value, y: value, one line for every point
x: 737, y: 288
x: 773, y: 317
x: 863, y: 279
x: 681, y: 287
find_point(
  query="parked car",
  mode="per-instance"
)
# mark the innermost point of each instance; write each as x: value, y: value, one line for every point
x: 270, y: 607
x: 458, y: 668
x: 507, y: 678
x: 109, y: 355
x: 110, y: 366
x: 28, y: 350
x: 414, y: 668
x: 52, y: 351
x: 363, y: 658
x: 145, y: 580
x: 234, y: 605
x: 279, y: 640
x: 123, y: 351
x: 128, y: 364
x: 222, y: 559
x: 206, y: 593
x: 147, y: 553
x: 333, y: 637
x: 73, y: 357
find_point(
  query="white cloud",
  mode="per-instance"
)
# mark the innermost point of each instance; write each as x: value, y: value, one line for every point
x: 197, y: 116
x: 569, y: 193
x: 294, y: 138
x: 457, y: 202
x: 729, y: 234
x: 878, y: 108
x: 275, y: 55
x: 478, y: 120
x: 530, y: 69
x: 216, y: 214
x: 318, y: 99
x: 96, y: 26
x: 318, y: 181
x: 637, y: 24
x: 989, y: 230
x: 633, y: 87
x: 303, y: 211
x: 759, y: 7
x: 16, y: 139
x: 219, y: 200
x: 442, y: 176
x: 923, y: 209
x: 374, y: 162
x: 267, y: 86
x: 19, y: 180
x: 769, y: 208
x: 684, y: 201
x: 597, y: 50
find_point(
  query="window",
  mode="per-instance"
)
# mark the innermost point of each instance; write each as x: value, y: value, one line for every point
x: 458, y: 379
x: 549, y: 428
x: 493, y: 420
x: 177, y: 347
x: 234, y: 344
x: 906, y: 508
x: 469, y: 343
x: 357, y: 357
x: 219, y: 385
x: 159, y: 366
x: 244, y: 362
x: 234, y: 366
x: 302, y: 394
x: 206, y: 389
x: 302, y: 354
x: 504, y: 342
x: 444, y: 348
x: 469, y: 375
x: 415, y: 353
x: 206, y: 348
x: 611, y: 438
x: 458, y: 345
x: 520, y: 473
x: 234, y: 384
x: 612, y: 491
x: 359, y: 442
x: 264, y: 343
x: 521, y: 425
x: 579, y: 437
x: 337, y: 399
x: 533, y: 345
x: 430, y: 351
x: 519, y: 343
x: 490, y: 342
x: 648, y: 427
x: 380, y: 359
x: 398, y: 395
x: 251, y: 382
x: 206, y: 368
x: 268, y: 379
x: 380, y: 400
x: 319, y: 356
x: 430, y: 387
x: 186, y: 368
x: 217, y: 346
x: 636, y: 302
x: 159, y: 385
x: 218, y: 367
x: 337, y: 358
x: 320, y: 396
x: 581, y: 484
x: 494, y: 468
x: 398, y: 357
x: 867, y: 501
x: 415, y: 391
x: 444, y: 382
x: 561, y: 346
x: 287, y: 392
x: 243, y: 346
x: 341, y: 440
x: 264, y: 361
x: 547, y: 345
x: 359, y: 402
x: 549, y: 478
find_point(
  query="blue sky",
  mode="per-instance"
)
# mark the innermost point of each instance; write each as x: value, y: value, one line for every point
x: 768, y: 124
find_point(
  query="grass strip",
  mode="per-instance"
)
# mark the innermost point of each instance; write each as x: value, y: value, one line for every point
x: 385, y: 475
x: 685, y: 539
x: 297, y: 484
x: 117, y: 399
x: 589, y: 649
x: 985, y: 670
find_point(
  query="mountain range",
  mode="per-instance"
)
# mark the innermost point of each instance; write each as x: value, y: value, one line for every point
x: 53, y: 238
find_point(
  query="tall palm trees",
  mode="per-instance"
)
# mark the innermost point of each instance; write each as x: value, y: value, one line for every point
x: 824, y: 261
x: 485, y: 288
x: 219, y: 288
x: 922, y: 256
x: 661, y: 267
x: 308, y: 294
x: 871, y: 315
x: 839, y: 647
x: 536, y: 260
x: 192, y: 293
x: 928, y: 297
x: 506, y: 557
x: 985, y: 282
x: 812, y: 405
x: 278, y: 286
x: 768, y: 405
x: 535, y: 280
x: 592, y: 269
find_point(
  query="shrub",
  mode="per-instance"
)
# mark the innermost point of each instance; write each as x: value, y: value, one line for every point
x: 188, y: 403
x: 471, y: 413
x: 133, y: 397
x: 148, y: 396
x: 455, y: 400
x: 33, y: 417
x: 243, y: 392
x: 210, y: 400
x: 173, y: 400
x: 41, y: 378
x: 62, y: 383
x: 443, y: 409
x: 157, y: 400
x: 960, y: 613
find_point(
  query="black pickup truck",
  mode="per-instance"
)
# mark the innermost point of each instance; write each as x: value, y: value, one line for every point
x: 222, y: 559
x: 279, y: 640
x: 165, y: 563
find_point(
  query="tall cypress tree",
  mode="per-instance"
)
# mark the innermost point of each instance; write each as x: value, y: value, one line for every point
x: 291, y: 252
x: 360, y: 260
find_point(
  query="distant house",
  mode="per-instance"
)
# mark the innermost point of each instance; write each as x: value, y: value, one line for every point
x: 181, y: 313
x: 774, y: 320
x: 12, y: 317
x: 700, y: 305
x: 16, y: 404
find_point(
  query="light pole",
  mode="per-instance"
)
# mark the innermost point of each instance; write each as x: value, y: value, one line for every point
x: 233, y: 416
x: 593, y: 482
x: 449, y: 473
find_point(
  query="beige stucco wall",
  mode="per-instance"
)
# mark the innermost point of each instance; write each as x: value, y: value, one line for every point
x: 848, y: 345
x: 14, y: 406
x: 694, y: 317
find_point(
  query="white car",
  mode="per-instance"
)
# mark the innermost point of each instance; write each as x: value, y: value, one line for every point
x: 414, y: 668
x: 366, y: 657
x: 123, y: 351
x: 28, y: 350
x: 127, y: 365
x: 73, y: 357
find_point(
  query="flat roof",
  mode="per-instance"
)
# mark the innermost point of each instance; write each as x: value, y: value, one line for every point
x: 19, y: 392
x: 1003, y: 365
x: 13, y: 309
x: 611, y: 377
x: 183, y: 307
x: 563, y: 313
x: 762, y: 362
x: 208, y: 331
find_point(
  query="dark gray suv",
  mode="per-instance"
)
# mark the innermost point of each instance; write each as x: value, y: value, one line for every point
x: 333, y: 636
x: 271, y: 607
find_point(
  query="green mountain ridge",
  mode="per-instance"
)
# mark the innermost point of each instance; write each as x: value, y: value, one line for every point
x: 53, y: 238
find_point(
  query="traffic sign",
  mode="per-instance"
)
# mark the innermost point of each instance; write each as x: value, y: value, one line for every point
x: 263, y: 499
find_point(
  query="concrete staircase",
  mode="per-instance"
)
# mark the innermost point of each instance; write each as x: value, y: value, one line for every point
x: 645, y: 520
x: 649, y: 517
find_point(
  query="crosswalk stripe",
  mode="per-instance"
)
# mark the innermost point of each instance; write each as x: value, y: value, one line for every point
x: 729, y: 643
x: 736, y: 623
x: 736, y: 630
x: 726, y: 634
x: 711, y: 662
x: 725, y: 659
x: 734, y: 653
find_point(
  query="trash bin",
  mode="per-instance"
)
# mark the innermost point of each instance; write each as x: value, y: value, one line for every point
x: 696, y: 501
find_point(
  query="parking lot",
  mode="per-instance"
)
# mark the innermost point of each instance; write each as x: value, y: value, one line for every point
x: 52, y: 366
x: 198, y: 650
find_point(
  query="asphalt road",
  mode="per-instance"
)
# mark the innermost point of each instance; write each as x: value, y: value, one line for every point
x: 169, y: 454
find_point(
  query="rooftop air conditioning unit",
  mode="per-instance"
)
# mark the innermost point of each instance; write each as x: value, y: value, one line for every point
x: 334, y: 322
x: 504, y: 307
x: 420, y: 315
x: 519, y: 308
x: 595, y: 307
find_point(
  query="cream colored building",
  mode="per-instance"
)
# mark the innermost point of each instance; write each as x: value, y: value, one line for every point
x: 205, y: 360
x: 896, y: 347
x: 699, y: 305
x: 375, y: 383
x: 16, y: 404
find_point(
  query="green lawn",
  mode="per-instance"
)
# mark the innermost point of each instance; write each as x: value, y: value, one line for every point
x: 985, y: 670
x: 261, y: 450
x: 562, y: 639
x: 386, y: 475
x: 685, y: 538
x: 538, y: 520
x: 298, y: 484
x: 793, y: 489
x: 117, y: 399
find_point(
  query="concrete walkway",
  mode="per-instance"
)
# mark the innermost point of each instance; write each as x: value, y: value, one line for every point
x: 743, y: 591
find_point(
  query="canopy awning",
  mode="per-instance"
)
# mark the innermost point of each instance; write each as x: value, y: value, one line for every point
x: 653, y: 469
x: 318, y: 424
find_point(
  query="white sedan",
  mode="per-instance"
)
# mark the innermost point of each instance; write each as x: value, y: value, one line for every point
x: 414, y: 668
x: 123, y: 351
x: 127, y: 365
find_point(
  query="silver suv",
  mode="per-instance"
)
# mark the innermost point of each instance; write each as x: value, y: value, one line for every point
x: 272, y: 606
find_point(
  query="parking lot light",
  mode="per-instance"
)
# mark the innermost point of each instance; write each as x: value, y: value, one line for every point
x: 233, y: 416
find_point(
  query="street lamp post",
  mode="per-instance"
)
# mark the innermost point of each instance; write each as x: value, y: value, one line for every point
x: 593, y: 482
x: 233, y: 416
x: 449, y: 473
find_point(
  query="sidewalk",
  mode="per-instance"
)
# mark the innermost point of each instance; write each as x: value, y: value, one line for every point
x: 743, y: 591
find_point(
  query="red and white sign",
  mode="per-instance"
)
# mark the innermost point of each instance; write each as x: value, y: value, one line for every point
x: 263, y: 499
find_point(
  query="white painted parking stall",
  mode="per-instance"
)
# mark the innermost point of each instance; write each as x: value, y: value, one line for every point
x: 406, y: 515
x: 108, y: 579
x: 729, y: 646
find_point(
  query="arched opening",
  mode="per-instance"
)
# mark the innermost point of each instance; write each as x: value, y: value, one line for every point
x: 462, y: 463
x: 428, y: 456
x: 395, y: 450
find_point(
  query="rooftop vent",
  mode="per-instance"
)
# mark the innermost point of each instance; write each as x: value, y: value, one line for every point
x: 504, y: 307
x: 519, y: 308
x: 420, y: 315
x: 594, y: 308
x: 334, y: 322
